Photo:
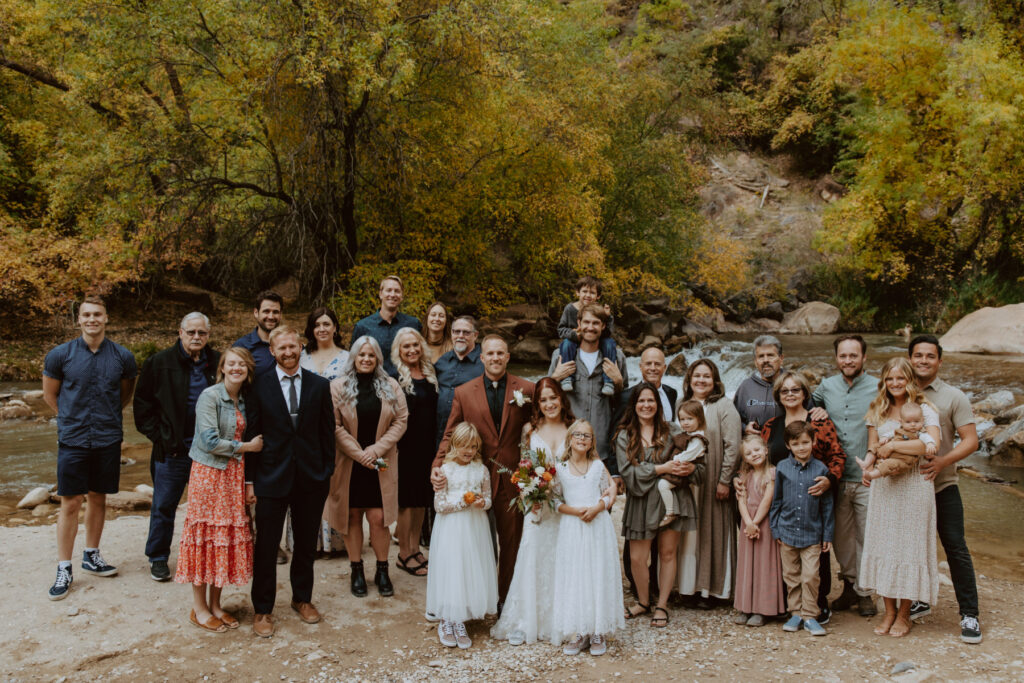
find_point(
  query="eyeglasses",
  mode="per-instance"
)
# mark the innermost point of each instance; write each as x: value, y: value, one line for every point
x: 462, y: 333
x: 196, y: 333
x: 583, y: 436
x: 791, y: 390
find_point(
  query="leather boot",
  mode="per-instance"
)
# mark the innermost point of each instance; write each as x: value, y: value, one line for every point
x: 847, y: 600
x: 358, y: 580
x: 383, y: 581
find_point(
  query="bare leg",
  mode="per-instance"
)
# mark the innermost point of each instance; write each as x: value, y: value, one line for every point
x: 902, y: 625
x: 199, y: 604
x: 668, y: 545
x: 380, y: 538
x: 410, y: 523
x: 215, y: 607
x: 889, y: 617
x: 95, y: 515
x: 354, y: 537
x: 639, y: 551
x: 67, y: 526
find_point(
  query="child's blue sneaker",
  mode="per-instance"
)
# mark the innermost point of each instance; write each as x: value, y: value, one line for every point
x: 795, y: 623
x: 813, y: 627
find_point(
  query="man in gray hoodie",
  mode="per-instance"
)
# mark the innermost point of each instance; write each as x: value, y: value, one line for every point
x: 754, y: 399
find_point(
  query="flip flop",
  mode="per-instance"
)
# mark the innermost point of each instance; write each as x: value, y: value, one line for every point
x: 403, y: 564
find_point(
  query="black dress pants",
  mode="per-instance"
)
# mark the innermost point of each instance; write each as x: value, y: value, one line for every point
x: 306, y: 500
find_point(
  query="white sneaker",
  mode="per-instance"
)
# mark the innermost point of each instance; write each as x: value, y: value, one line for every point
x: 446, y: 634
x: 461, y: 636
x: 431, y: 617
x: 576, y: 645
x: 516, y: 638
x: 598, y: 646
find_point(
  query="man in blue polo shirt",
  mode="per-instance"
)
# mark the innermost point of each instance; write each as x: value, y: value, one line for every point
x: 385, y: 323
x: 268, y: 314
x: 87, y: 381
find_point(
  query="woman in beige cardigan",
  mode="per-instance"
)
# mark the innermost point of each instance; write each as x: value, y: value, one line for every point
x: 370, y: 417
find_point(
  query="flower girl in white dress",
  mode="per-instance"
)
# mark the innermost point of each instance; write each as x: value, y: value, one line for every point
x: 526, y: 616
x: 588, y: 583
x: 462, y: 580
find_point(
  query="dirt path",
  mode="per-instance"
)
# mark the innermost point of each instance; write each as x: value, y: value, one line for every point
x: 130, y: 628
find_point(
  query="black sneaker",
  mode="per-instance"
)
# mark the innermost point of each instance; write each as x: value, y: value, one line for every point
x: 159, y: 571
x: 93, y: 563
x: 59, y: 589
x: 845, y: 601
x: 824, y: 616
x: 920, y: 609
x: 970, y: 630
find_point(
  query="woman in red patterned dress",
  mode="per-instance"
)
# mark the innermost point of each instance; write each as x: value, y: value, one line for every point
x: 216, y: 542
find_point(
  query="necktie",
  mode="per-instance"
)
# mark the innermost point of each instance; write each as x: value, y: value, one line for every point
x: 495, y: 404
x: 293, y: 401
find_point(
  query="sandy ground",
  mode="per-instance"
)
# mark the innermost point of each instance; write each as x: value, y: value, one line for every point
x: 131, y: 628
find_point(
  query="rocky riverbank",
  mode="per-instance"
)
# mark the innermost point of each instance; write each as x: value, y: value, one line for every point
x: 129, y: 628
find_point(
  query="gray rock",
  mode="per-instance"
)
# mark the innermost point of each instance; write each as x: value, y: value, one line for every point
x: 15, y: 409
x: 814, y: 317
x: 988, y: 330
x: 902, y: 667
x: 37, y: 496
x: 128, y: 500
x: 658, y: 326
x: 995, y: 403
x: 531, y: 350
x: 32, y: 395
x: 145, y: 489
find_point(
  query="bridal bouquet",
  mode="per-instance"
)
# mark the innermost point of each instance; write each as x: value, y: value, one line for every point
x: 533, y: 478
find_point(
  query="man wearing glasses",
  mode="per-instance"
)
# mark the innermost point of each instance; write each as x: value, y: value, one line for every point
x: 165, y: 412
x: 456, y: 367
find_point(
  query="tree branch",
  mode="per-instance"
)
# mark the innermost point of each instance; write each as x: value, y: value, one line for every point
x: 41, y: 75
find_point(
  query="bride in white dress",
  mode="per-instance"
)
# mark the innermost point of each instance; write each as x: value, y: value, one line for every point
x: 526, y: 615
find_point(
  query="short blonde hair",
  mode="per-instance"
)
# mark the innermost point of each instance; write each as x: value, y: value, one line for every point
x: 592, y: 451
x: 464, y: 435
x: 280, y: 331
x: 246, y: 357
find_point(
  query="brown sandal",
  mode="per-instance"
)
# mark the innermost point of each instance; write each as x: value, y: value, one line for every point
x: 645, y: 609
x: 228, y: 620
x: 213, y: 624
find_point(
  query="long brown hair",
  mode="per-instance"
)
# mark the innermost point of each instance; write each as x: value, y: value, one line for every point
x: 631, y: 423
x: 717, y: 392
x: 446, y: 332
x: 536, y: 416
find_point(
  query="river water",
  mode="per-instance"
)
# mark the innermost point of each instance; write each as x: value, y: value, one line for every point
x: 28, y: 450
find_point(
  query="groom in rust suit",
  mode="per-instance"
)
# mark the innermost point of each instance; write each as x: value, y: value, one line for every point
x: 489, y: 404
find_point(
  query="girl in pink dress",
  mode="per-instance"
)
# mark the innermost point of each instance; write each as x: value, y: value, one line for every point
x: 758, y: 564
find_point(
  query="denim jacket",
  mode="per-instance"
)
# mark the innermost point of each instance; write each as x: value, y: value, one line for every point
x: 214, y: 443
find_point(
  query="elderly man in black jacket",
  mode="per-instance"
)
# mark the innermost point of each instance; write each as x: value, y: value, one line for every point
x: 165, y: 412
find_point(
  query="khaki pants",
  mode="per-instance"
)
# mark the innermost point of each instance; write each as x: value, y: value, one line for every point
x: 851, y: 516
x: 800, y: 572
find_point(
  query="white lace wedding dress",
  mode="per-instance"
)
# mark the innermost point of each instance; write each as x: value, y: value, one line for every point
x: 528, y: 605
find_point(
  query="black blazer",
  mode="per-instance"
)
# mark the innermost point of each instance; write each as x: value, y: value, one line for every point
x: 160, y: 404
x: 309, y: 447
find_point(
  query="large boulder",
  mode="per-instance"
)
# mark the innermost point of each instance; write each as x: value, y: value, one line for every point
x: 127, y: 501
x: 814, y: 317
x: 531, y: 350
x: 995, y: 403
x: 988, y: 330
x: 1008, y: 446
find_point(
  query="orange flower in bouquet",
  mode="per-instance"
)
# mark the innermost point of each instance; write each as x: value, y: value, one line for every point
x: 468, y: 497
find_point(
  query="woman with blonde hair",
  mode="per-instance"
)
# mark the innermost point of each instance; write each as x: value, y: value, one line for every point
x: 370, y: 417
x: 416, y: 448
x: 899, y: 561
x: 216, y: 541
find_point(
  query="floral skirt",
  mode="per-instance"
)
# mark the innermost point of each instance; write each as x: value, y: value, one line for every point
x: 216, y: 542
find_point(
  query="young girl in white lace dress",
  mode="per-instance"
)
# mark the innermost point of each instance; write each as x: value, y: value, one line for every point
x: 588, y: 583
x: 462, y: 580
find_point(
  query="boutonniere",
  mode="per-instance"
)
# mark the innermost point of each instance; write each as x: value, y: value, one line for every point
x: 519, y: 399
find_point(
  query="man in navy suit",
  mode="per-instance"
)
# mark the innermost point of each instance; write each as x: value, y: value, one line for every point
x: 293, y: 410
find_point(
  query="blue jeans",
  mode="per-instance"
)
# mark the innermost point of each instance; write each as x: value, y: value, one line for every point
x: 568, y: 349
x: 949, y: 515
x: 170, y: 478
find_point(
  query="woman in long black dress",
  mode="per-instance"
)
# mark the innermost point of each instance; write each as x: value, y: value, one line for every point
x: 415, y: 450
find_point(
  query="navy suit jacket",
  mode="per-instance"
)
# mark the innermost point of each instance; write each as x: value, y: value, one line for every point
x: 308, y: 447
